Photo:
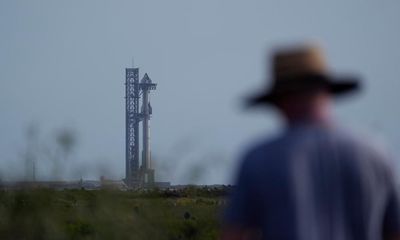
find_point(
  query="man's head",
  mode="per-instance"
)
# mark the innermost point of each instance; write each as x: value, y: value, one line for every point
x: 312, y: 105
x: 302, y: 86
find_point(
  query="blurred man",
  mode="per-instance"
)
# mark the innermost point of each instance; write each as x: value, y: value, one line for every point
x: 315, y: 181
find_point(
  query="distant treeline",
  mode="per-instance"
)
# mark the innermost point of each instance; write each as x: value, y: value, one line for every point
x: 189, y: 191
x: 179, y: 213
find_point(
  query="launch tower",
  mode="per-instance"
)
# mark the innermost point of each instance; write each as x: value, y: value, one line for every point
x: 137, y: 92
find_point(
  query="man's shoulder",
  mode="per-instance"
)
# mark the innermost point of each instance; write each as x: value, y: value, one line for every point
x: 265, y: 145
x: 346, y: 138
x: 264, y: 149
x: 360, y: 140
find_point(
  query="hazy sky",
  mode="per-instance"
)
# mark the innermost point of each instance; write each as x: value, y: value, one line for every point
x: 62, y: 66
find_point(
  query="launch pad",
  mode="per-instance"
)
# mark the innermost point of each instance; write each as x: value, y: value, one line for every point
x: 138, y: 173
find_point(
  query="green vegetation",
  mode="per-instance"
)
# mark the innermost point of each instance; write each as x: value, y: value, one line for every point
x: 109, y: 214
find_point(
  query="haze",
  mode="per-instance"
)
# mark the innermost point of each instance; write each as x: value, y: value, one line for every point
x: 62, y: 66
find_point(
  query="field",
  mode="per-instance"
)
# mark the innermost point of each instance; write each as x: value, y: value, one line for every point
x: 191, y: 213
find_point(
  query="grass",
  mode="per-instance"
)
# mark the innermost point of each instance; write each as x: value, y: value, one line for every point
x: 110, y: 214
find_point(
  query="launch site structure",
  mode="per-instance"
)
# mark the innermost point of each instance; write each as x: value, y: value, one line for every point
x: 137, y: 92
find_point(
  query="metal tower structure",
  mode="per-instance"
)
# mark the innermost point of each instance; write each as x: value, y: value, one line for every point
x: 134, y: 90
x: 132, y: 119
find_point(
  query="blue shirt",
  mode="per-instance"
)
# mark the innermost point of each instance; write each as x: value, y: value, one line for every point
x: 316, y: 183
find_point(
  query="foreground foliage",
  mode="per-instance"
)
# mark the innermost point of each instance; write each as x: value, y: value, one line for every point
x: 110, y: 214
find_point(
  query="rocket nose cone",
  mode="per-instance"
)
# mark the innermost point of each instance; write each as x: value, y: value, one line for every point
x: 146, y: 79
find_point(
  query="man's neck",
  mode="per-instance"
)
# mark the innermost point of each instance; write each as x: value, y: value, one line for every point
x: 317, y: 118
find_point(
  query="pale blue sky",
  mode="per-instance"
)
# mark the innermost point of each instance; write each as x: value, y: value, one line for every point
x: 62, y: 65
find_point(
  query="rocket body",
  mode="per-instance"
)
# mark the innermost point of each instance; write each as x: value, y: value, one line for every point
x: 146, y: 154
x: 147, y: 171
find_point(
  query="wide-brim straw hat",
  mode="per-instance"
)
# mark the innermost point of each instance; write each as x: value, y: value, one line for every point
x: 300, y: 69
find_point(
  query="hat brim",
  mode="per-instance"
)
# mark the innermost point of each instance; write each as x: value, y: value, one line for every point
x: 337, y: 86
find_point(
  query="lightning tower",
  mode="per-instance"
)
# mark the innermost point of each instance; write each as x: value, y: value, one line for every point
x: 136, y: 92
